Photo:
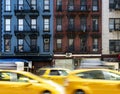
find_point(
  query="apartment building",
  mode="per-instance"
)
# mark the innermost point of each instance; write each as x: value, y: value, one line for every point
x: 0, y: 23
x: 110, y: 30
x: 77, y: 31
x: 27, y: 31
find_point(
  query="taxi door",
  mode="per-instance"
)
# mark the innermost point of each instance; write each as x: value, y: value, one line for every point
x: 103, y: 86
x: 7, y: 87
x: 55, y: 76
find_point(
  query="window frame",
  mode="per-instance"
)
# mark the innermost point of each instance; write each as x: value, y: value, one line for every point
x: 20, y: 45
x: 46, y: 46
x: 46, y: 24
x: 71, y: 44
x: 58, y: 5
x: 7, y: 25
x: 95, y: 5
x: 34, y: 24
x: 59, y: 24
x: 8, y: 45
x: 20, y: 24
x: 113, y: 24
x: 114, y: 45
x: 59, y: 44
x: 7, y: 6
x: 95, y: 46
x: 46, y: 4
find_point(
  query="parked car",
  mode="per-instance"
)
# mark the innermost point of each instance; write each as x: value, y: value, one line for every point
x: 57, y: 75
x: 20, y: 82
x: 93, y: 81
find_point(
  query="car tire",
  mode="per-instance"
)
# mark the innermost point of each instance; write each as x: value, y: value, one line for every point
x: 79, y: 92
x: 46, y: 92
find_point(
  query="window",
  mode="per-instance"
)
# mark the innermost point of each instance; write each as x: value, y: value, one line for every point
x: 7, y: 24
x: 94, y: 74
x: 114, y: 4
x: 46, y: 5
x: 114, y: 45
x: 71, y: 44
x: 33, y: 24
x: 20, y: 4
x: 59, y: 5
x: 7, y: 43
x: 33, y: 44
x: 71, y: 23
x: 95, y: 5
x: 114, y: 24
x: 95, y: 44
x: 99, y: 74
x: 13, y: 77
x: 46, y: 24
x: 83, y: 44
x: 71, y: 5
x: 20, y: 45
x: 20, y: 24
x: 59, y: 44
x: 59, y: 23
x: 83, y: 24
x: 54, y: 72
x: 46, y: 44
x: 83, y: 5
x: 7, y: 5
x: 95, y: 24
x: 111, y: 24
x: 111, y: 4
x: 41, y: 72
x: 33, y: 4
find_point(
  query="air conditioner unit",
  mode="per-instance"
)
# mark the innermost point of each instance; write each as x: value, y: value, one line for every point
x: 95, y: 49
x: 68, y: 54
x: 21, y: 8
x: 59, y: 27
x: 70, y: 8
x: 112, y: 52
x: 46, y: 40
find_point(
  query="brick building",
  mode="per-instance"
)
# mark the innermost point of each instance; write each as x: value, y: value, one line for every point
x: 77, y: 31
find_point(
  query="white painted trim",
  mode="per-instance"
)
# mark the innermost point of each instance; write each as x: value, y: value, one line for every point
x: 78, y: 55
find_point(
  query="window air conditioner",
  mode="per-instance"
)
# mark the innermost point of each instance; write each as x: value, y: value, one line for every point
x: 68, y: 54
x: 95, y: 50
x: 59, y: 27
x: 21, y: 8
x: 46, y: 40
x: 70, y: 7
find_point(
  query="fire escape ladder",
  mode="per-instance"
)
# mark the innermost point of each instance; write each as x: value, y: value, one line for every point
x: 27, y: 43
x: 28, y: 3
x: 28, y: 24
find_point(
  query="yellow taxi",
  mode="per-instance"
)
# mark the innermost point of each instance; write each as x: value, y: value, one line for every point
x: 93, y: 81
x: 21, y: 82
x: 57, y: 75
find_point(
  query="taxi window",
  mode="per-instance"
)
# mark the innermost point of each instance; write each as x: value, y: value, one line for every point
x: 111, y: 76
x: 94, y: 74
x: 41, y: 72
x: 63, y: 72
x: 54, y: 72
x: 4, y: 76
x: 13, y: 77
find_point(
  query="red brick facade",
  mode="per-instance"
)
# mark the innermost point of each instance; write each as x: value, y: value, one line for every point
x: 77, y: 34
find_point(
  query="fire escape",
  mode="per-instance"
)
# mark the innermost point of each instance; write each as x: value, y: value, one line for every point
x: 78, y: 29
x: 26, y: 30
